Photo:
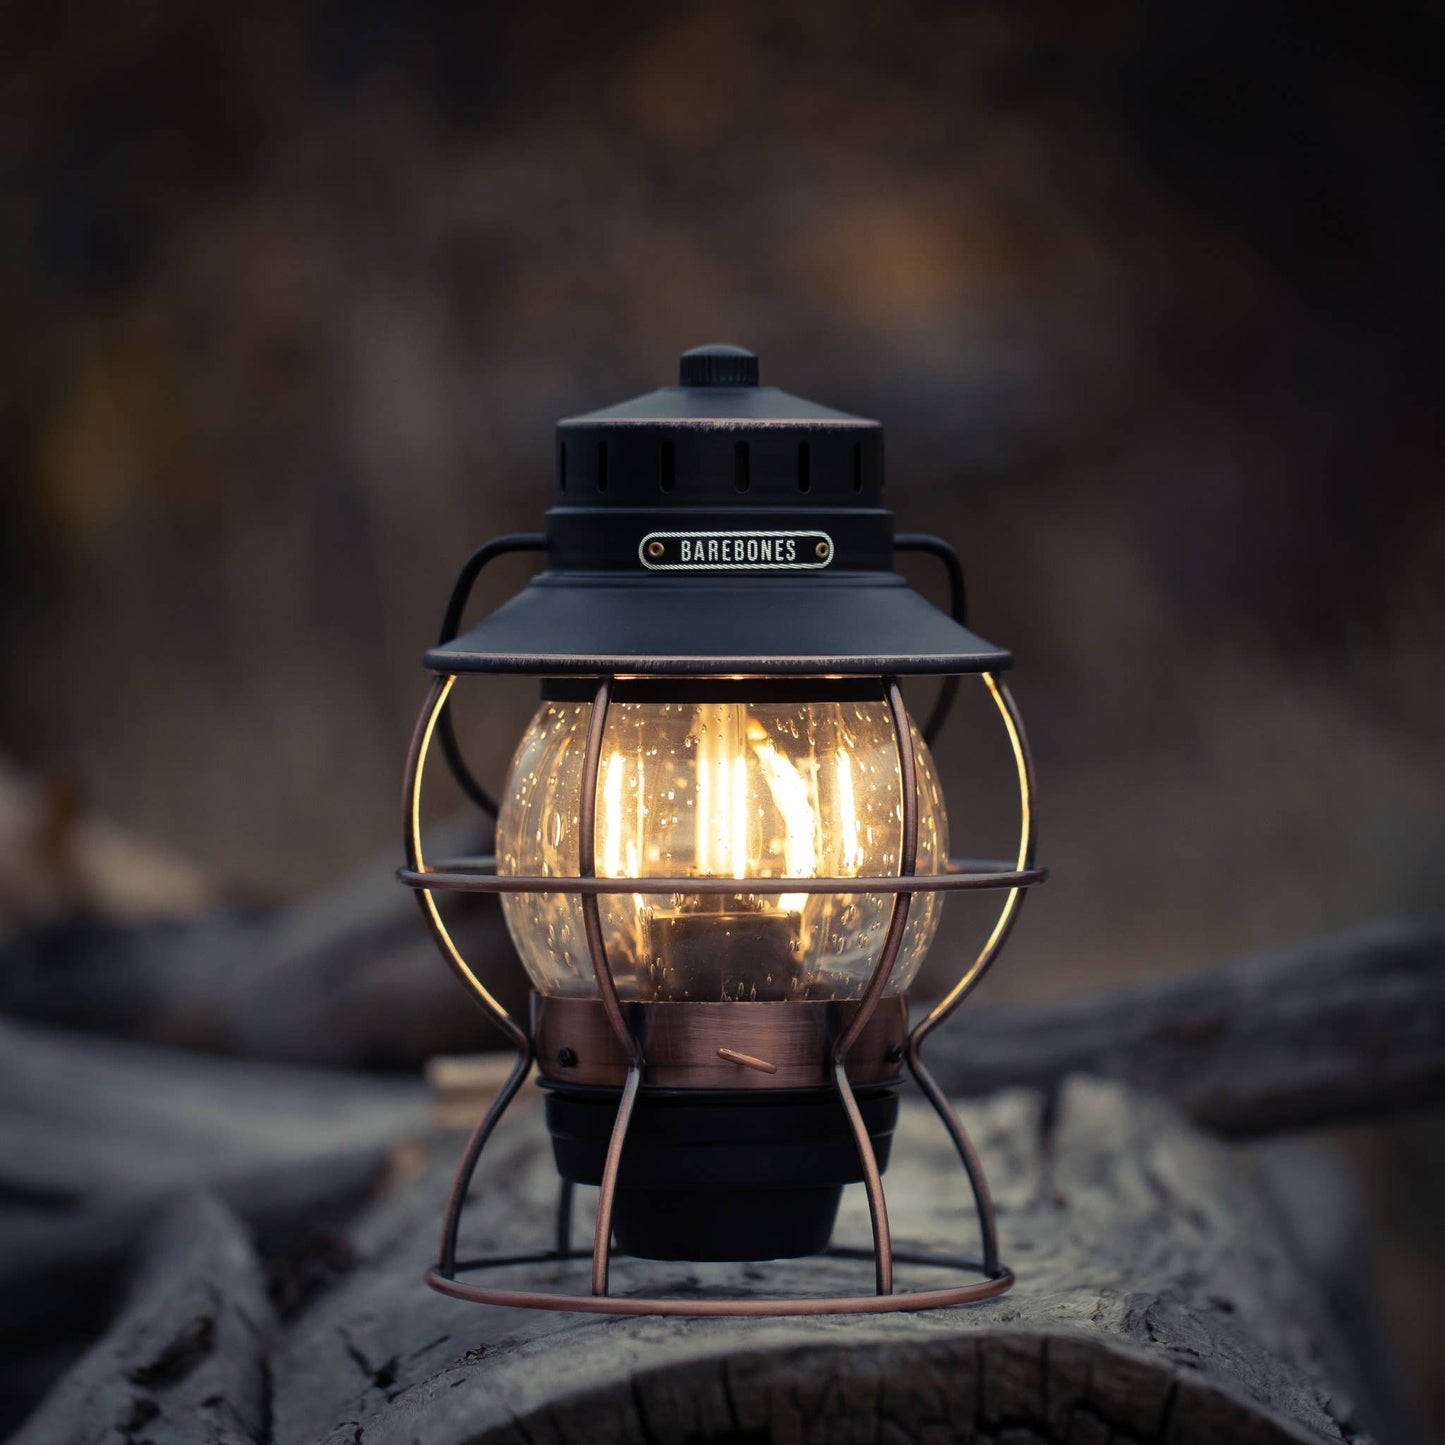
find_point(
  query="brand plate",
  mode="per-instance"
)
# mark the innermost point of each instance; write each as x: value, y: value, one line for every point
x: 735, y: 551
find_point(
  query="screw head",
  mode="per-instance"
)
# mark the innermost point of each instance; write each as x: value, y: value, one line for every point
x: 823, y: 550
x: 894, y: 1055
x: 655, y: 550
x: 567, y: 1058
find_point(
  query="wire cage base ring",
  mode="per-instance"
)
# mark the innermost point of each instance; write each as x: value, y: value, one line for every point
x: 960, y: 874
x: 900, y: 1302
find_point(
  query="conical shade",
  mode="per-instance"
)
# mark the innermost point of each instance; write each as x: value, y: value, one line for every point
x: 849, y: 624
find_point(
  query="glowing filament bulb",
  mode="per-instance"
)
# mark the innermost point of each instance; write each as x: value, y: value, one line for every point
x: 793, y: 800
x: 612, y: 835
x: 702, y: 845
x: 848, y: 814
x: 740, y: 815
x: 724, y: 789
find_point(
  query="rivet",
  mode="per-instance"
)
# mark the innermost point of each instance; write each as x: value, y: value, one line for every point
x: 655, y: 550
x: 567, y: 1058
x: 822, y: 549
x: 894, y: 1054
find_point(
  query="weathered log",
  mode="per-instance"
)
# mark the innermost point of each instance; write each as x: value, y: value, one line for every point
x: 1319, y: 1033
x: 97, y: 1137
x: 347, y: 978
x: 89, y: 1118
x: 1155, y: 1302
x: 186, y: 1359
x: 1322, y: 1206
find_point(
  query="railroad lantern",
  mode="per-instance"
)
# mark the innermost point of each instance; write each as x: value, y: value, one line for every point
x: 721, y: 847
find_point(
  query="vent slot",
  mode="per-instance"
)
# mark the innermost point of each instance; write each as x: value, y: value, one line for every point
x: 805, y: 467
x: 562, y: 466
x: 601, y: 466
x: 857, y: 467
x: 667, y: 468
x: 742, y: 467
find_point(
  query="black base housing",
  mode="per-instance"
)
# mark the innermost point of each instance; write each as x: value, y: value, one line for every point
x: 746, y: 1175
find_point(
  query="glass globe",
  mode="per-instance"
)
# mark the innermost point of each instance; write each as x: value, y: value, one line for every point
x: 720, y: 790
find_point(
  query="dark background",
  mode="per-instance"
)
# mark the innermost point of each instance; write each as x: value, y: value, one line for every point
x: 1149, y: 303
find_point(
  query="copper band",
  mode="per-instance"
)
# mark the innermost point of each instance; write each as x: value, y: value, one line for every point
x: 680, y: 1042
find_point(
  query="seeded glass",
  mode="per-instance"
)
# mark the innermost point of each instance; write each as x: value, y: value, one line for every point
x: 720, y: 790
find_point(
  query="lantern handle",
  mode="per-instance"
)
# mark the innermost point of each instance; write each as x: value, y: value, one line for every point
x: 957, y: 608
x: 451, y: 625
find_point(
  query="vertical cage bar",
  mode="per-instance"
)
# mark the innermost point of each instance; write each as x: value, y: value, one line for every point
x: 873, y: 992
x: 1024, y: 762
x: 1008, y: 916
x: 587, y: 868
x: 907, y: 867
x: 451, y: 1222
x: 606, y: 986
x: 411, y: 824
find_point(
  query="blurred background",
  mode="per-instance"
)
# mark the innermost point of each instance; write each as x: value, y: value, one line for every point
x: 1149, y: 304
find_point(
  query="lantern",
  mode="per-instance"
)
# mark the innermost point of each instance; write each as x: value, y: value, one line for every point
x: 722, y: 848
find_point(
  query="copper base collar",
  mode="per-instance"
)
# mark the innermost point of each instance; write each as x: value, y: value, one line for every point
x: 782, y: 1045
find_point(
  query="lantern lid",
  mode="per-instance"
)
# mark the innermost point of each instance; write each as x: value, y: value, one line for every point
x: 716, y: 383
x: 718, y: 435
x: 719, y: 526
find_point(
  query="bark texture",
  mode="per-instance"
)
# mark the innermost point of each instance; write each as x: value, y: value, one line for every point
x: 1156, y: 1302
x: 186, y: 1359
x: 99, y: 1138
x: 1160, y: 1295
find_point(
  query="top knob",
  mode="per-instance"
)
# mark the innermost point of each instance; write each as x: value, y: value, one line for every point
x: 718, y: 365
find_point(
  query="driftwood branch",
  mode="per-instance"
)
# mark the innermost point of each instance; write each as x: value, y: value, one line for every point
x: 1320, y: 1033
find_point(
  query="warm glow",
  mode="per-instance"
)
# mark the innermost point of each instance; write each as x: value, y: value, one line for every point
x: 721, y: 790
x: 800, y: 824
x: 612, y: 831
x: 847, y: 813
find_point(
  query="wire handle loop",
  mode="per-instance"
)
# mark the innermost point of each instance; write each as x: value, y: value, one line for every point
x: 451, y: 625
x: 958, y: 610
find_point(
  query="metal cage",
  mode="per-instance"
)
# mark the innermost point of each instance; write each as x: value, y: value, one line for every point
x: 480, y: 876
